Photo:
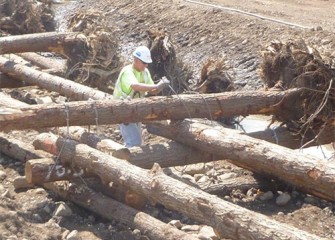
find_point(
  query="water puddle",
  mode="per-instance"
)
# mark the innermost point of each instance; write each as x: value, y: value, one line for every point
x: 255, y: 123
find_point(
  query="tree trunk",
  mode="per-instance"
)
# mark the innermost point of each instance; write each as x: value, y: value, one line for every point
x: 58, y: 66
x: 19, y: 150
x: 311, y: 174
x: 165, y: 154
x: 112, y: 210
x: 64, y: 86
x: 8, y: 82
x: 41, y: 42
x: 82, y: 135
x: 148, y: 109
x: 39, y: 171
x: 229, y: 220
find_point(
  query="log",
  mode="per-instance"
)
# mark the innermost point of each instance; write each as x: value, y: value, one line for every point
x: 148, y: 109
x: 113, y: 210
x: 63, y: 86
x: 19, y: 150
x: 82, y: 135
x: 39, y: 171
x: 309, y: 173
x: 42, y: 42
x: 165, y: 154
x: 57, y: 65
x: 8, y: 82
x: 229, y: 220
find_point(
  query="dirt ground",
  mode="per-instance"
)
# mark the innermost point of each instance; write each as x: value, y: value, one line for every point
x: 200, y: 30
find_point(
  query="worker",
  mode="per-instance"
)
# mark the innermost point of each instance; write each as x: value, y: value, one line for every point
x: 135, y: 81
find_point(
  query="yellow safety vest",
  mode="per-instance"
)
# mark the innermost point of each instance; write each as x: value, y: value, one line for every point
x: 122, y: 88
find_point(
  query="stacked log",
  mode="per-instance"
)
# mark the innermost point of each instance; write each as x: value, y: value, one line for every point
x: 158, y: 187
x: 137, y: 171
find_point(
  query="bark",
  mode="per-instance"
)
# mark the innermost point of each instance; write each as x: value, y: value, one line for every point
x: 8, y: 82
x: 148, y: 109
x: 113, y: 210
x: 309, y: 173
x: 64, y: 86
x: 57, y: 65
x: 41, y: 42
x: 39, y: 171
x: 229, y: 220
x: 19, y: 150
x: 165, y: 154
x: 82, y: 135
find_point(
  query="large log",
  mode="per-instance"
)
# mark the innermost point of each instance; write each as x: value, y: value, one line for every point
x: 112, y: 210
x: 64, y: 86
x: 309, y: 173
x: 41, y: 42
x: 148, y: 109
x: 229, y: 220
x: 165, y: 154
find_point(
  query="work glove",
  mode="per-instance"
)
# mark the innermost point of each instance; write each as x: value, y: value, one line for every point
x: 163, y: 83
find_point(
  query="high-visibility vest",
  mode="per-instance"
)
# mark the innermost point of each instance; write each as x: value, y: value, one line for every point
x: 119, y: 93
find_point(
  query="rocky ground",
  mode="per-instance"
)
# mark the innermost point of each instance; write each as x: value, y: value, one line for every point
x: 199, y: 32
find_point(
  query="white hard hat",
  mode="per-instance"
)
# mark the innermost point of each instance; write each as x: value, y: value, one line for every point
x: 143, y: 53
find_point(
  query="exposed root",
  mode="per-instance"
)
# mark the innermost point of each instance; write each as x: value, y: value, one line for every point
x: 296, y: 65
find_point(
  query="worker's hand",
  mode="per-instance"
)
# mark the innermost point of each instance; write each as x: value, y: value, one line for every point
x: 163, y: 83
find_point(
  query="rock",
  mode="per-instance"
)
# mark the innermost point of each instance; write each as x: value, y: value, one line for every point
x: 280, y: 214
x: 40, y: 191
x: 63, y: 210
x: 207, y: 233
x: 176, y: 223
x: 193, y: 169
x: 44, y: 100
x: 266, y: 196
x: 20, y: 182
x: 3, y: 175
x: 190, y: 228
x: 283, y: 199
x: 73, y: 235
x: 198, y: 176
x: 227, y: 176
x: 203, y: 179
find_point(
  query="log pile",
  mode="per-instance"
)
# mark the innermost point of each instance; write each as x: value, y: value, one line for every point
x: 130, y: 177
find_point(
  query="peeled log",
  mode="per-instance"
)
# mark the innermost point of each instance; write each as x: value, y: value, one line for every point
x: 147, y: 109
x: 309, y: 173
x: 50, y: 82
x: 41, y: 42
x: 113, y: 210
x: 229, y: 220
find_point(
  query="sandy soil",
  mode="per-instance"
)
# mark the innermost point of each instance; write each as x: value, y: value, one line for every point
x: 199, y: 32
